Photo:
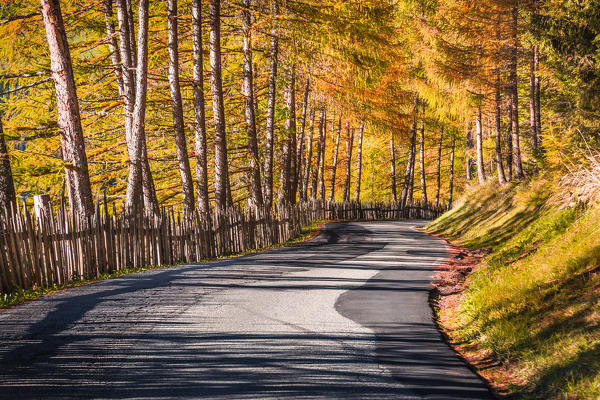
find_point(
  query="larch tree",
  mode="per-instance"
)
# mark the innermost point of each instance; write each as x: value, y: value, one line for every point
x: 187, y: 185
x: 222, y: 192
x: 451, y: 175
x: 322, y: 159
x: 424, y: 200
x: 256, y: 195
x: 514, y: 96
x: 270, y: 124
x: 361, y: 132
x: 309, y: 153
x: 393, y: 169
x: 349, y: 145
x: 67, y: 104
x: 299, y: 180
x: 335, y: 159
x: 318, y: 155
x: 137, y: 152
x: 479, y: 147
x: 199, y: 111
x: 438, y: 174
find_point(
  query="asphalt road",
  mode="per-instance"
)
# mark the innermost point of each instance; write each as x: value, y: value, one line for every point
x: 344, y: 316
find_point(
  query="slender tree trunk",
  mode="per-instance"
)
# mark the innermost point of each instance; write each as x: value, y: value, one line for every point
x: 509, y: 151
x: 221, y: 166
x: 451, y: 176
x: 335, y: 160
x: 411, y: 181
x: 288, y: 154
x: 113, y: 44
x: 424, y: 200
x: 187, y: 185
x: 67, y: 104
x: 293, y: 135
x: 393, y: 168
x: 309, y: 147
x: 499, y: 164
x: 270, y: 127
x: 199, y: 112
x: 516, y: 148
x: 299, y: 173
x: 468, y: 160
x: 538, y: 105
x: 137, y: 156
x: 256, y: 195
x: 315, y: 181
x: 406, y: 188
x: 323, y: 141
x: 534, y: 111
x: 131, y: 33
x: 438, y: 174
x: 479, y: 139
x: 349, y: 143
x: 359, y: 162
x: 7, y: 186
x: 128, y: 65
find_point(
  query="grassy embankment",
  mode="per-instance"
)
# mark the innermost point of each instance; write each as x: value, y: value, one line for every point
x: 20, y: 295
x: 533, y: 303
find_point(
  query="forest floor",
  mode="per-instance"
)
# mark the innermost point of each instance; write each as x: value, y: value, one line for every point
x: 519, y: 299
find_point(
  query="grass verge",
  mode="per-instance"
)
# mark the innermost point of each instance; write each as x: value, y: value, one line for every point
x: 531, y: 307
x: 19, y: 295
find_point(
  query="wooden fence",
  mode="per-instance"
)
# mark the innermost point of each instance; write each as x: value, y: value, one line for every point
x: 45, y: 249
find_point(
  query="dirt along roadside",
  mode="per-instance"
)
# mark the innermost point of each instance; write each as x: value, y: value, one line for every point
x: 449, y: 284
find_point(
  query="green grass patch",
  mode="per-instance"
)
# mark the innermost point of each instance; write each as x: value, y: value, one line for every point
x: 20, y: 295
x: 534, y: 302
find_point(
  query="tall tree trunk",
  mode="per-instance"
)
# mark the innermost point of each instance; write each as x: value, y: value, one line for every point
x: 516, y: 148
x: 299, y: 169
x: 323, y: 141
x: 393, y: 168
x: 359, y: 162
x: 451, y: 175
x: 131, y: 32
x: 256, y: 195
x: 67, y: 104
x: 128, y: 64
x: 137, y: 156
x: 509, y: 151
x: 406, y: 187
x: 309, y: 147
x: 293, y: 132
x: 7, y: 186
x: 221, y: 166
x: 411, y: 179
x: 270, y: 127
x: 335, y: 160
x: 534, y: 111
x: 438, y: 174
x: 199, y: 112
x: 113, y: 44
x: 424, y: 200
x: 187, y: 185
x: 349, y: 143
x: 479, y: 138
x: 288, y: 154
x: 468, y: 160
x: 315, y: 181
x: 499, y: 164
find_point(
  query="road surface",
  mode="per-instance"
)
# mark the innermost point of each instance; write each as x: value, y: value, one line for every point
x: 343, y: 316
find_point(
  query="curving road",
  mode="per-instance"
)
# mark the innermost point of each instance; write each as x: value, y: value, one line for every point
x: 343, y: 316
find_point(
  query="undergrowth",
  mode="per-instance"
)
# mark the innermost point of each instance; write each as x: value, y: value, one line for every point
x: 534, y: 302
